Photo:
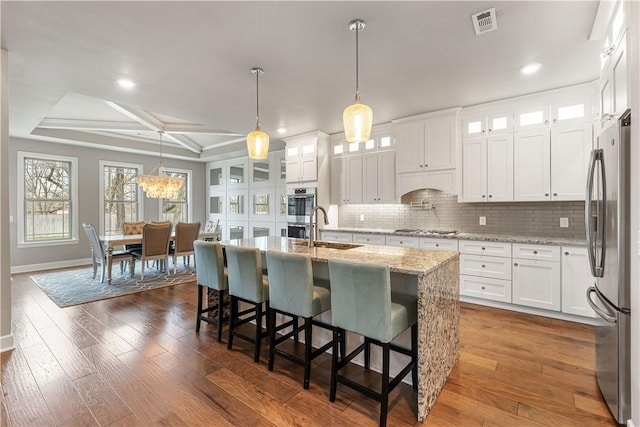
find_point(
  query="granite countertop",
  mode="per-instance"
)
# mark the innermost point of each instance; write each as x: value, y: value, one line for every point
x: 400, y: 260
x: 507, y: 238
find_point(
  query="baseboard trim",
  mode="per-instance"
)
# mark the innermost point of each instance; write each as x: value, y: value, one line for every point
x: 16, y: 269
x: 6, y: 343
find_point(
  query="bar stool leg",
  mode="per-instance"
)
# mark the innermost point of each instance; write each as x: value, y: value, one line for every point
x: 220, y: 313
x: 307, y: 352
x: 414, y: 356
x: 233, y: 312
x: 367, y: 353
x: 256, y: 355
x: 272, y: 338
x: 384, y: 394
x: 295, y: 327
x: 334, y: 364
x: 199, y: 310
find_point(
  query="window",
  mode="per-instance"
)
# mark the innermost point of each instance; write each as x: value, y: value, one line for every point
x: 121, y: 197
x: 47, y: 186
x: 177, y: 210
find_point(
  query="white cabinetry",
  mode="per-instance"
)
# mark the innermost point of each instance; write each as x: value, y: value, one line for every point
x: 303, y: 154
x: 336, y: 236
x: 488, y: 169
x: 369, y: 239
x: 536, y: 276
x: 437, y: 244
x: 346, y: 180
x: 485, y: 270
x: 551, y: 163
x: 576, y: 278
x: 403, y: 241
x: 378, y: 183
x: 487, y: 121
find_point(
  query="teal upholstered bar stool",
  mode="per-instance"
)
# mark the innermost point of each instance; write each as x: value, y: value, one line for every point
x: 210, y: 274
x: 247, y: 284
x: 292, y: 293
x: 362, y: 303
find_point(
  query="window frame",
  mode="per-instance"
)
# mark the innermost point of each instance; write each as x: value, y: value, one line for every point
x: 188, y: 192
x: 139, y: 195
x: 73, y: 199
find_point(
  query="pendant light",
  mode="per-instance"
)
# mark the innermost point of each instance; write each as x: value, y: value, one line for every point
x: 257, y: 141
x: 357, y: 118
x: 160, y: 186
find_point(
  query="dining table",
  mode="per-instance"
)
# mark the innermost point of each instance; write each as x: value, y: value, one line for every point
x: 110, y: 242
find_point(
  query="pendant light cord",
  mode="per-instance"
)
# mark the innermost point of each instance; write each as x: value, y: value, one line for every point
x: 257, y: 101
x: 357, y: 68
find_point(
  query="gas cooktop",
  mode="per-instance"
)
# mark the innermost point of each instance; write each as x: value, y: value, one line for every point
x: 431, y: 232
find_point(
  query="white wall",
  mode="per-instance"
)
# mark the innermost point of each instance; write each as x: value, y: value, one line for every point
x: 89, y: 196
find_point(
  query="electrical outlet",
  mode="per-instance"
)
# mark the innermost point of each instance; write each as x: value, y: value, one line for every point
x: 483, y: 220
x: 564, y: 222
x: 361, y: 217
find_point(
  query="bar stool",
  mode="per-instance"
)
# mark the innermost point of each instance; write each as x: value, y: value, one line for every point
x: 292, y: 293
x: 247, y: 284
x: 210, y: 274
x: 362, y: 303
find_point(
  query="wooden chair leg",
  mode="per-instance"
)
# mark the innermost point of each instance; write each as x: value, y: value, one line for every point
x: 233, y: 310
x: 220, y: 314
x: 199, y: 308
x: 256, y: 354
x: 384, y: 394
x: 272, y: 338
x: 308, y: 328
x: 334, y: 366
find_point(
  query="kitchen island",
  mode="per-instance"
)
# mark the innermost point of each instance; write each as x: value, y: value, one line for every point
x: 434, y: 274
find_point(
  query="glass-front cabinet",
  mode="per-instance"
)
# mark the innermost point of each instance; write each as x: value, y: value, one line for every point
x: 216, y: 205
x: 237, y: 173
x: 216, y: 177
x: 261, y: 229
x: 262, y: 173
x: 262, y: 204
x: 237, y: 204
x: 237, y: 229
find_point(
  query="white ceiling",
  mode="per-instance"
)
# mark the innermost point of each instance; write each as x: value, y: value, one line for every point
x: 191, y: 63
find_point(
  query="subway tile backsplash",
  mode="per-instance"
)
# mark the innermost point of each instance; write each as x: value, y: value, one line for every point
x: 521, y: 218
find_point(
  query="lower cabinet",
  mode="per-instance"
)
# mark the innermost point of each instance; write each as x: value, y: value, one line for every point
x: 576, y: 278
x: 436, y: 244
x: 336, y: 236
x: 486, y: 288
x: 403, y: 241
x: 536, y: 276
x: 370, y: 239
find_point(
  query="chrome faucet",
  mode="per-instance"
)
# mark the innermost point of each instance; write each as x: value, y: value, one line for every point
x: 314, y: 226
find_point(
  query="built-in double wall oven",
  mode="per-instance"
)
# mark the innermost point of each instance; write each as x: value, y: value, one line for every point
x: 300, y: 203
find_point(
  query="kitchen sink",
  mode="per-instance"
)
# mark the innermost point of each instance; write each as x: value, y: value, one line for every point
x: 328, y: 245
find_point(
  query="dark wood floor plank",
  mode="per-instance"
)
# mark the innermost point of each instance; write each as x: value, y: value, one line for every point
x: 61, y: 398
x: 103, y: 403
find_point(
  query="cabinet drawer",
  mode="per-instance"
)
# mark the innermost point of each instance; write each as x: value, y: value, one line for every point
x: 407, y: 241
x: 486, y: 288
x: 485, y: 266
x: 475, y: 247
x: 438, y: 244
x: 335, y: 236
x: 541, y: 252
x: 370, y: 239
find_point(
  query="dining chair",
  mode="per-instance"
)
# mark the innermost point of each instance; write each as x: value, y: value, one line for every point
x: 129, y: 228
x: 362, y: 303
x: 155, y: 245
x: 211, y: 274
x: 185, y: 234
x: 99, y: 254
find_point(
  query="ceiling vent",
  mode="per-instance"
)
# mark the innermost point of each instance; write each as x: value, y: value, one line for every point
x: 485, y: 21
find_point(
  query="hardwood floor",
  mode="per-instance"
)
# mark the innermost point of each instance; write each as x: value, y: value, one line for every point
x: 136, y: 360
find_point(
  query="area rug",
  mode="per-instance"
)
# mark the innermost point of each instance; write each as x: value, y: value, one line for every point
x: 73, y: 287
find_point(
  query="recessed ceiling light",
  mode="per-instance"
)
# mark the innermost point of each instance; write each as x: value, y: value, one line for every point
x: 531, y: 68
x: 282, y: 130
x: 126, y: 83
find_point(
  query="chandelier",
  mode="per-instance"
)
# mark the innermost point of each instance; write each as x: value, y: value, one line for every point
x: 160, y: 186
x: 357, y: 118
x: 257, y: 140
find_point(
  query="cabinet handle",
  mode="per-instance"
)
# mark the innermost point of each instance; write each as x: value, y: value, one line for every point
x: 535, y: 252
x: 515, y: 264
x: 546, y: 122
x: 483, y: 266
x: 483, y: 130
x: 421, y: 166
x: 566, y: 253
x: 437, y: 244
x: 483, y: 196
x: 426, y: 166
x: 546, y: 194
x: 490, y: 129
x: 490, y: 196
x: 483, y: 248
x: 555, y: 194
x: 482, y: 288
x: 555, y: 120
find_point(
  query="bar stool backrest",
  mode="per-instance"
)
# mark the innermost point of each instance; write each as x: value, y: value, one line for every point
x: 244, y: 267
x: 290, y: 283
x: 210, y: 265
x: 361, y: 298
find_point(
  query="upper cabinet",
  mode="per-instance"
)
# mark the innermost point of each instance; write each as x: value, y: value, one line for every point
x: 302, y: 155
x: 562, y: 107
x: 427, y: 144
x: 488, y: 169
x: 483, y: 122
x: 378, y: 177
x: 237, y: 173
x: 216, y: 176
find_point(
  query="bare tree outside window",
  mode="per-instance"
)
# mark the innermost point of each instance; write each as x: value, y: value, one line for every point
x: 177, y: 209
x: 47, y: 200
x: 120, y: 197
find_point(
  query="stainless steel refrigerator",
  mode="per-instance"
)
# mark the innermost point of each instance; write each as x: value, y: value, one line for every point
x: 607, y: 218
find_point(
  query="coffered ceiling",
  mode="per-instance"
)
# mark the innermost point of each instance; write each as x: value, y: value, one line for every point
x: 191, y: 60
